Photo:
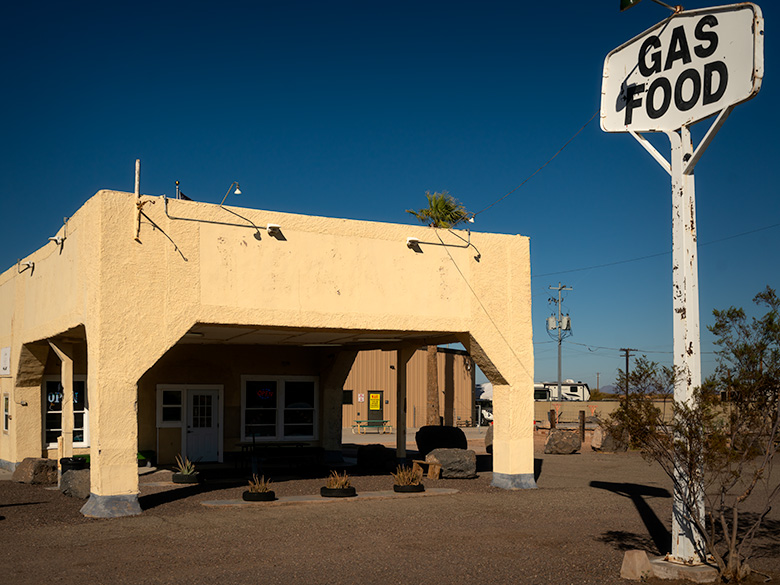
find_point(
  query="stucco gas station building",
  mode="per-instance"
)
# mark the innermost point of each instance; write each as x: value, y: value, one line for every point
x: 179, y: 326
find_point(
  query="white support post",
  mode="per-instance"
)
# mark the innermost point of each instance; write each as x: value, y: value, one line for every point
x: 64, y: 351
x: 687, y: 545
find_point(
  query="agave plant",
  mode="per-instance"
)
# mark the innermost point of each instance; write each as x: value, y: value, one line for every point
x: 259, y: 485
x: 405, y: 475
x: 336, y: 481
x: 184, y: 466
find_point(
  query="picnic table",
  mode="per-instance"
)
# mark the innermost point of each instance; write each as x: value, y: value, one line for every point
x: 361, y: 427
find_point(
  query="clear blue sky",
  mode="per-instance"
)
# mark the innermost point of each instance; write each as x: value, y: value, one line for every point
x: 355, y: 109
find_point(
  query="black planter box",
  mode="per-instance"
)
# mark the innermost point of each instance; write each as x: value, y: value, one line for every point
x: 184, y: 478
x: 258, y: 496
x: 327, y: 492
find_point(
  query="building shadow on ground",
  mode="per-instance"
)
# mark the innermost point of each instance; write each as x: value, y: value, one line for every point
x: 215, y: 483
x: 659, y: 535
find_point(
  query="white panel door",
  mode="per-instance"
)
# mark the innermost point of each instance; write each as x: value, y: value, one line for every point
x: 203, y: 425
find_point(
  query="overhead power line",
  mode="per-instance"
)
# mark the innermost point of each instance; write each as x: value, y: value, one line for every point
x: 643, y: 351
x: 639, y: 258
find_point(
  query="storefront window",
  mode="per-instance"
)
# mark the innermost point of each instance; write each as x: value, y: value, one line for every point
x: 52, y: 400
x: 278, y: 409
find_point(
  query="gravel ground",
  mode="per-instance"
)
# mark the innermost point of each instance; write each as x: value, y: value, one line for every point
x: 589, y: 509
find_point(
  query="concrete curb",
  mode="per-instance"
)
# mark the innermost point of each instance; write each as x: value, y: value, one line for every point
x: 291, y: 500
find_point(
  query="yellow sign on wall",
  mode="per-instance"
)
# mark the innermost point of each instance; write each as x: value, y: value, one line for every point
x: 374, y: 401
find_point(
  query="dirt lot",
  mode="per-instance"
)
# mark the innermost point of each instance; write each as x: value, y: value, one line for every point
x: 589, y: 509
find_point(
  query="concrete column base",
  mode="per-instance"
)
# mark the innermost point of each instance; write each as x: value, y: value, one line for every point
x: 520, y: 481
x: 111, y: 506
x: 638, y: 566
x: 664, y: 569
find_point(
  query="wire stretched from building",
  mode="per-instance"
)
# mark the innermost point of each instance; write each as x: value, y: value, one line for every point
x: 532, y: 175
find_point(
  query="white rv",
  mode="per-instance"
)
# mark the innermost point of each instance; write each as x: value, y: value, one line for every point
x: 570, y: 390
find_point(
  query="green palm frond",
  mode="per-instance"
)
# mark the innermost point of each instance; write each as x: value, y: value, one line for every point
x: 443, y: 211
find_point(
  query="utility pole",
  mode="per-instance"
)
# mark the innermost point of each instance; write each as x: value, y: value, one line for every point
x: 598, y: 387
x: 627, y: 354
x: 562, y: 323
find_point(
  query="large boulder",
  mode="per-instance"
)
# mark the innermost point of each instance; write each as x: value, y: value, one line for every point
x: 489, y: 439
x: 561, y: 442
x: 75, y: 483
x: 435, y: 437
x: 605, y: 441
x: 455, y: 463
x: 36, y: 470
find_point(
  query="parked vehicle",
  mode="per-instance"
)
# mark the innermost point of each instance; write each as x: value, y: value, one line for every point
x: 570, y: 390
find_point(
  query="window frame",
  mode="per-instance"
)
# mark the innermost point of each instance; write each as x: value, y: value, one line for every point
x: 281, y: 387
x: 44, y: 410
x: 170, y: 424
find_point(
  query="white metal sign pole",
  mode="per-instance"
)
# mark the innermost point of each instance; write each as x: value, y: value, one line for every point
x: 691, y: 66
x: 687, y: 545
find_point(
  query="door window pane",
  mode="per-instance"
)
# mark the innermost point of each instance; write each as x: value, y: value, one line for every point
x: 201, y: 411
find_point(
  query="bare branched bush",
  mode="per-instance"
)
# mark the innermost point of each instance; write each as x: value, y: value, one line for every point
x: 724, y: 441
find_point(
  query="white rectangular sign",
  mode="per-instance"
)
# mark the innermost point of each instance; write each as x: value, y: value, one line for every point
x: 5, y: 361
x: 684, y: 69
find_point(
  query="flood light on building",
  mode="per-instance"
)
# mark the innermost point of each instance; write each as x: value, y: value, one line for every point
x: 236, y: 192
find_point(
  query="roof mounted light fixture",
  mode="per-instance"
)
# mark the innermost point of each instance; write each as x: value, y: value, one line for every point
x: 27, y: 266
x: 236, y: 192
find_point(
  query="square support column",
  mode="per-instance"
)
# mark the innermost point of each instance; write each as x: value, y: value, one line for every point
x: 333, y: 378
x: 402, y: 358
x: 114, y: 444
x: 511, y: 372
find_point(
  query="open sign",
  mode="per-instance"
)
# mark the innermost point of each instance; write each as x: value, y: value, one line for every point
x: 684, y: 69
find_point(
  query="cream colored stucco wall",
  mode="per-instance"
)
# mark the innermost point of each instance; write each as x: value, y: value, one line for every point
x: 137, y: 298
x: 37, y: 304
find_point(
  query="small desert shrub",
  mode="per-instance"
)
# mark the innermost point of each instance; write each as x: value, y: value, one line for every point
x: 336, y: 481
x: 184, y: 466
x: 405, y: 475
x: 259, y: 485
